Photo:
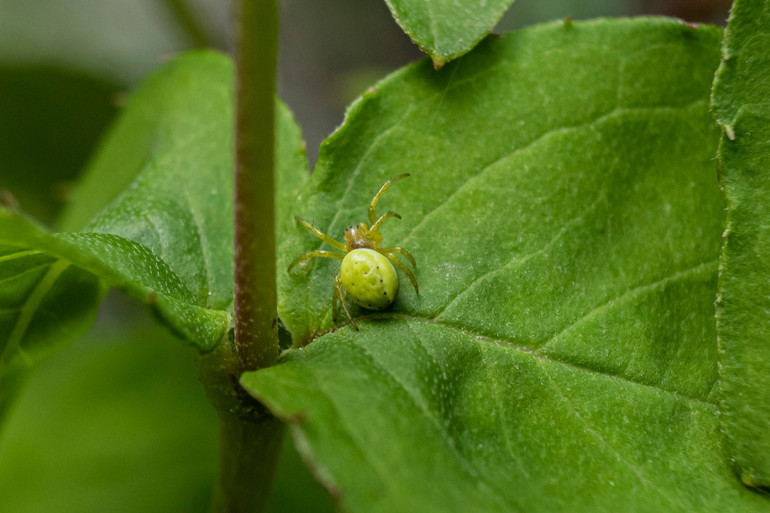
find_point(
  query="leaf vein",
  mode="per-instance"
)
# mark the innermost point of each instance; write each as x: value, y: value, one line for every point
x: 595, y: 434
x: 19, y: 254
x: 528, y: 350
x: 553, y: 132
x: 203, y: 247
x: 516, y: 260
x: 28, y: 309
x: 639, y: 289
x: 450, y: 443
x: 380, y: 468
x: 505, y: 425
x: 28, y: 270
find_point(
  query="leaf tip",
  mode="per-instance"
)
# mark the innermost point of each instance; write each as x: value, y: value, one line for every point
x: 438, y: 63
x: 729, y: 132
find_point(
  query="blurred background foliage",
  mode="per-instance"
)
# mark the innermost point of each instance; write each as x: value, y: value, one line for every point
x: 119, y: 422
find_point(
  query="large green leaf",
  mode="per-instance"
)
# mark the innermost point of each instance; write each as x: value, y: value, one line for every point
x: 447, y: 29
x: 742, y: 107
x: 158, y: 196
x: 565, y: 218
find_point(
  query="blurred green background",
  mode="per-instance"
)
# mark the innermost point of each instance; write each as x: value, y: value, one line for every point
x: 118, y: 422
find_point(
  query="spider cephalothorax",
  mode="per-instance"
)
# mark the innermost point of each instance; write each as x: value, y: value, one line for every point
x: 367, y: 274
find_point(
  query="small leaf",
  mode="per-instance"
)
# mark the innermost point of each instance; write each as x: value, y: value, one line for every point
x: 447, y: 29
x: 565, y: 217
x: 741, y: 101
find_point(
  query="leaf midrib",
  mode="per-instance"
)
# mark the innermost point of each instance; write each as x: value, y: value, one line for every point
x: 535, y: 353
x: 469, y: 469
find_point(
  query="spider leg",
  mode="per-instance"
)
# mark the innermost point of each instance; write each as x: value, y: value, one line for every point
x: 335, y: 298
x: 376, y: 198
x: 403, y: 268
x: 321, y: 235
x: 400, y: 251
x: 319, y: 253
x: 376, y: 226
x: 339, y: 296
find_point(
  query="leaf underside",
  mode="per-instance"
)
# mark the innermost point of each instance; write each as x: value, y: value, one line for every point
x: 152, y: 217
x: 741, y: 102
x: 564, y: 213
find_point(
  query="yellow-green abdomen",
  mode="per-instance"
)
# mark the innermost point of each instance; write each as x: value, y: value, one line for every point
x: 369, y: 279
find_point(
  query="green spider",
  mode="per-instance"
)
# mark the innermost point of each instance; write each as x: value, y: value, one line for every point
x: 366, y: 275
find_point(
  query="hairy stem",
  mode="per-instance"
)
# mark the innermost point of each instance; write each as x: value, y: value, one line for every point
x: 244, y: 484
x: 250, y: 436
x: 256, y: 318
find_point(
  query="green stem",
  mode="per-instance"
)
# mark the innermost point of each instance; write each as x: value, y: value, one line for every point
x: 250, y: 437
x: 256, y: 317
x: 249, y: 450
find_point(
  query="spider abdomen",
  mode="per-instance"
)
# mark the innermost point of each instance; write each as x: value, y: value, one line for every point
x: 369, y: 279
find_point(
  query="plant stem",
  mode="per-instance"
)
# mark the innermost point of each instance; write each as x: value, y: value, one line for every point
x: 256, y: 318
x: 250, y: 436
x: 249, y: 449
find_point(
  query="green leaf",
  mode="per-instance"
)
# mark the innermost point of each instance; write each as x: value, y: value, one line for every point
x: 117, y: 423
x: 564, y: 214
x: 57, y: 280
x: 45, y: 301
x: 159, y: 199
x: 414, y: 416
x: 144, y: 439
x: 741, y: 101
x: 447, y: 29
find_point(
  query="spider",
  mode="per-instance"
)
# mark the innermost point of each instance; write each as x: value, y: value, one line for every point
x: 366, y: 274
